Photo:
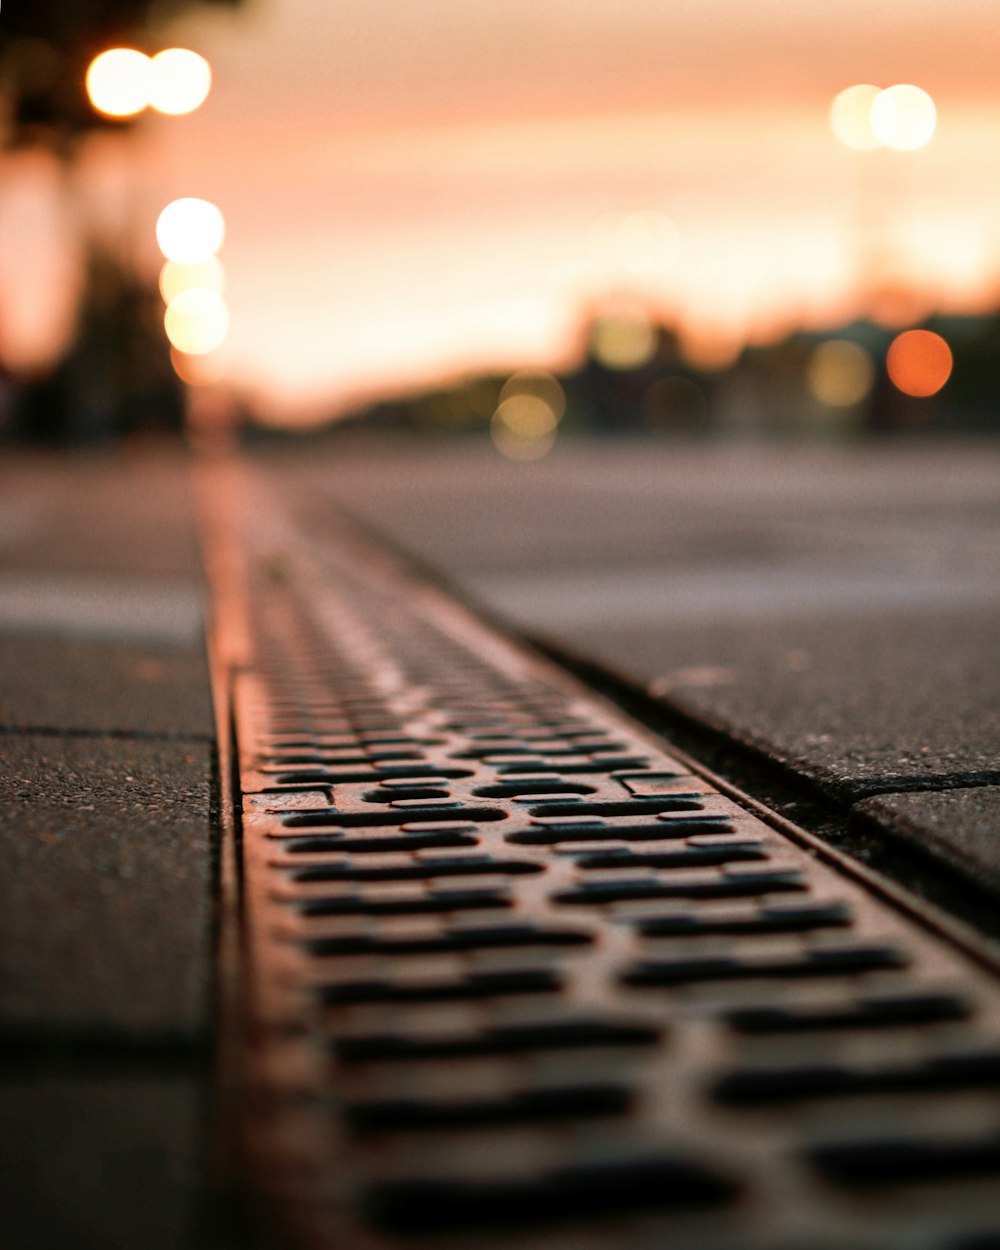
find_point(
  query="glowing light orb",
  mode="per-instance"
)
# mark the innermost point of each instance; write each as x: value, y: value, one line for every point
x: 523, y: 427
x: 850, y: 117
x: 207, y: 275
x: 623, y: 342
x: 196, y: 322
x: 118, y: 82
x: 540, y: 385
x: 190, y: 230
x: 903, y: 117
x: 180, y: 81
x: 919, y: 362
x: 840, y: 373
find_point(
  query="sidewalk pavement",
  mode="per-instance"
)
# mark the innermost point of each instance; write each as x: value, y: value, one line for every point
x: 833, y: 610
x: 105, y: 935
x: 834, y: 614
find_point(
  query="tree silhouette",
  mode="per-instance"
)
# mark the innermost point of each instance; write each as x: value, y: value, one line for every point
x: 45, y: 49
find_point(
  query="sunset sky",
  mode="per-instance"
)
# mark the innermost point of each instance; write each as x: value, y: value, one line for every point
x: 414, y: 190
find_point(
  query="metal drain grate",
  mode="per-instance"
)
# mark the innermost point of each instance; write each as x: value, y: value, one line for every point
x: 522, y: 978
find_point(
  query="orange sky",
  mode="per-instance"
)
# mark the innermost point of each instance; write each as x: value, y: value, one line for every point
x: 412, y: 189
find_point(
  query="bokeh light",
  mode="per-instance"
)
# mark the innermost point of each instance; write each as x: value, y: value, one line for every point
x: 190, y: 230
x: 623, y: 341
x: 119, y: 81
x: 919, y: 362
x: 523, y: 427
x: 207, y: 275
x: 541, y: 385
x: 180, y: 81
x: 196, y: 322
x: 903, y: 117
x: 850, y: 117
x: 840, y: 373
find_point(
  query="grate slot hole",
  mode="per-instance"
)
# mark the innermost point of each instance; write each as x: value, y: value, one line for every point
x: 715, y: 887
x: 793, y: 919
x: 523, y: 789
x: 473, y: 986
x: 676, y: 857
x: 647, y: 1181
x: 869, y: 1013
x: 563, y: 1102
x: 486, y: 937
x: 375, y: 820
x: 593, y: 831
x: 381, y: 844
x: 541, y: 1036
x: 625, y: 807
x: 821, y: 963
x: 467, y: 866
x: 443, y: 902
x: 970, y: 1070
x: 872, y: 1162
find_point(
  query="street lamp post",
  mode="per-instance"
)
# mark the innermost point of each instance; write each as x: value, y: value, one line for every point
x: 121, y: 84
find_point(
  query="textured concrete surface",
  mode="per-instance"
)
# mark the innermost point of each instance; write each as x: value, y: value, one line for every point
x: 127, y: 510
x: 99, y: 685
x: 101, y: 595
x: 960, y: 827
x: 96, y: 1163
x: 106, y: 735
x: 106, y: 924
x: 835, y: 608
x: 856, y: 704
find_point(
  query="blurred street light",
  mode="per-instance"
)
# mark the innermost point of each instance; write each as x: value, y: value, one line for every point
x: 919, y: 362
x: 865, y: 117
x: 118, y: 82
x: 840, y: 373
x: 903, y: 117
x: 207, y: 275
x: 850, y: 117
x: 123, y: 81
x: 196, y: 321
x: 180, y: 81
x: 523, y: 427
x: 190, y: 230
x: 623, y: 340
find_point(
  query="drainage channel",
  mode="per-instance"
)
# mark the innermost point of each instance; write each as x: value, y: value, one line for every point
x: 515, y: 973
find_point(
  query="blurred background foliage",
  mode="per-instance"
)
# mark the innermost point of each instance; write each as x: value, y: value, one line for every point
x: 114, y: 375
x: 46, y: 48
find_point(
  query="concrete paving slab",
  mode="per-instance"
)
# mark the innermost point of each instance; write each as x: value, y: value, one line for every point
x: 837, y: 608
x: 99, y: 1163
x: 858, y: 704
x: 960, y: 827
x: 117, y: 511
x: 104, y: 686
x: 101, y: 594
x: 105, y: 930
